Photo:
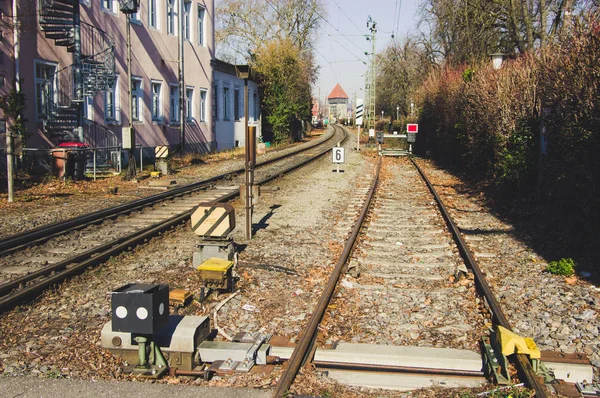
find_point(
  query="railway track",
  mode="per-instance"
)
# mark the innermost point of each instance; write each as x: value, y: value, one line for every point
x: 407, y: 249
x: 36, y: 259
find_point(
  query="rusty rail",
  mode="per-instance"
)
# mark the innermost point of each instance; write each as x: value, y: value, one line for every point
x: 303, y: 349
x: 498, y: 316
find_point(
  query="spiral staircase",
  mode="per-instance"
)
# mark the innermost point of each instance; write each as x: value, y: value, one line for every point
x: 92, y: 70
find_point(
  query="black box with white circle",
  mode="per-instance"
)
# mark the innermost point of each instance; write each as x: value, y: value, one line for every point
x: 140, y: 308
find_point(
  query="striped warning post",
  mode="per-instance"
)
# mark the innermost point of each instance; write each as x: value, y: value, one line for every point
x: 213, y: 220
x: 161, y: 152
x: 359, y: 111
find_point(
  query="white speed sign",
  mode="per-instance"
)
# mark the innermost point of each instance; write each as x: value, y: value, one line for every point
x: 338, y: 155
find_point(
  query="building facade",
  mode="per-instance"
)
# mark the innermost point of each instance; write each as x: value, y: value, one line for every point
x: 71, y: 57
x: 337, y: 103
x: 228, y: 112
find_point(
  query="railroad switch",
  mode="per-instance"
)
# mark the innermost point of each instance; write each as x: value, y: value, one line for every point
x: 216, y: 274
x: 142, y: 331
x: 502, y: 343
x: 558, y: 369
x: 142, y: 309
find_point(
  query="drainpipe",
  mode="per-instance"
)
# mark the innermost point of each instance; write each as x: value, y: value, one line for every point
x: 182, y: 89
x: 78, y: 72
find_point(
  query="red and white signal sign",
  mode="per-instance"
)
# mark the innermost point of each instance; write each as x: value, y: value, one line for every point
x: 412, y: 128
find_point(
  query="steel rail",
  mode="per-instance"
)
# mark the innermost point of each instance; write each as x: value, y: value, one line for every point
x: 98, y: 255
x: 43, y: 233
x: 300, y: 353
x: 397, y: 369
x: 498, y: 316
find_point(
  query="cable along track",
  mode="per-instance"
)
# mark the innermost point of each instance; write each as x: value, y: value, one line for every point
x: 413, y: 289
x: 34, y: 260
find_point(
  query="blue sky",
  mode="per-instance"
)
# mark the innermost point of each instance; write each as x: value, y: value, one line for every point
x: 341, y: 43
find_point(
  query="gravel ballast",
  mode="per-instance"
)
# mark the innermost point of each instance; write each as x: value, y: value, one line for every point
x: 299, y: 232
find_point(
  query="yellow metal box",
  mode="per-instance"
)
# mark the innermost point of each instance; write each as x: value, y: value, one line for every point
x: 216, y: 273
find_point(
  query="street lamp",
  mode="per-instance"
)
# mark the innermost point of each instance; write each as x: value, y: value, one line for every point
x: 381, y: 115
x: 397, y: 112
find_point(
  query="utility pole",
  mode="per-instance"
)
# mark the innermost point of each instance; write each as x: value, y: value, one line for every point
x: 372, y: 26
x: 10, y: 159
x: 128, y: 8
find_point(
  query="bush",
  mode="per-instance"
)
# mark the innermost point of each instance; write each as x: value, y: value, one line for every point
x: 565, y: 266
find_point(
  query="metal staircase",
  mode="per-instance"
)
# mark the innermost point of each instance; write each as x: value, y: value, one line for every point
x: 92, y: 70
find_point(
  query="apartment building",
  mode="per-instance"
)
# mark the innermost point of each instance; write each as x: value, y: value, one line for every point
x: 229, y: 107
x: 72, y: 59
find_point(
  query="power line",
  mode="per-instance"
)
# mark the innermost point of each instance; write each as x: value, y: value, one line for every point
x: 346, y: 15
x: 349, y: 52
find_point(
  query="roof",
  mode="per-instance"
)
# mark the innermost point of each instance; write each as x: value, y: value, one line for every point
x: 338, y: 92
x: 226, y: 67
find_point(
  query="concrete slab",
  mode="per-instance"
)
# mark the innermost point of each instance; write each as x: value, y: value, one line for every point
x: 406, y: 356
x: 401, y: 382
x: 405, y: 276
x: 571, y: 372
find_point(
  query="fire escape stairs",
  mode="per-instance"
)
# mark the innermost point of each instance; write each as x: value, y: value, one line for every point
x: 58, y: 20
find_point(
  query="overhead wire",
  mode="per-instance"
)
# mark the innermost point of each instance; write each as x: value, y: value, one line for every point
x: 346, y: 15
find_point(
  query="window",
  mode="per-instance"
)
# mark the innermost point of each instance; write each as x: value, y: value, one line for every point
x: 236, y: 104
x: 156, y: 109
x: 187, y: 8
x: 174, y: 103
x: 171, y: 16
x: 109, y: 6
x: 216, y: 91
x: 88, y: 107
x: 203, y: 105
x: 135, y: 17
x: 137, y: 99
x: 45, y: 91
x: 201, y: 12
x: 152, y: 14
x: 225, y: 103
x: 111, y: 104
x: 189, y: 104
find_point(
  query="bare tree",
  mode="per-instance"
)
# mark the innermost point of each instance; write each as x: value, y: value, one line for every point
x: 243, y: 26
x: 465, y: 30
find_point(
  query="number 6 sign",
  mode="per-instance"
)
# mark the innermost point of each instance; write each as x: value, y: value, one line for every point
x: 338, y: 155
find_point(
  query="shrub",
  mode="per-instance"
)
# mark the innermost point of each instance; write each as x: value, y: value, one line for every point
x: 564, y: 266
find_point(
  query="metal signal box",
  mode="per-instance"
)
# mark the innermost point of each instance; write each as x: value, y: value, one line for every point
x: 216, y: 273
x: 140, y: 308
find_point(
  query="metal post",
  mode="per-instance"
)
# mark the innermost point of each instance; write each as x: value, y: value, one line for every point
x: 358, y: 139
x: 94, y: 163
x: 141, y: 159
x: 78, y: 72
x: 64, y: 164
x: 10, y: 166
x: 181, y: 80
x: 249, y: 166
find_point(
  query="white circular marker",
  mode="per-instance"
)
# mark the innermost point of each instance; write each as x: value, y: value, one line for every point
x: 121, y: 312
x: 161, y: 308
x: 142, y: 313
